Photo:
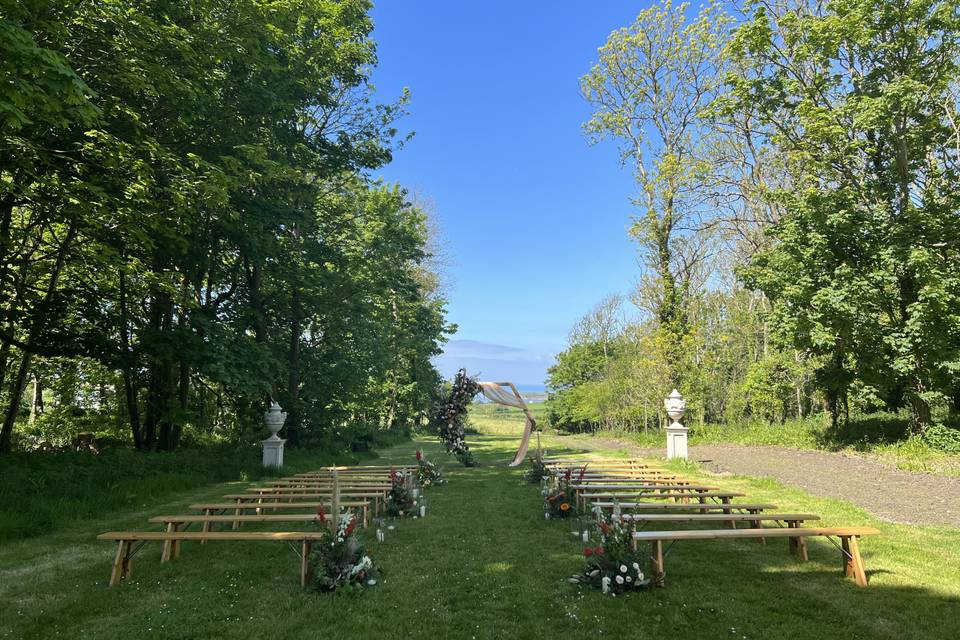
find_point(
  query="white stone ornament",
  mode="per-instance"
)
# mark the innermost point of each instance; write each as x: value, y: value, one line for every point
x: 274, y: 418
x: 675, y: 406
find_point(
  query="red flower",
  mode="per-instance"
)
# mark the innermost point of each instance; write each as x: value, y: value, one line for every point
x: 321, y: 516
x: 567, y: 474
x: 598, y: 551
x: 419, y: 455
x: 583, y: 472
x: 587, y: 551
x: 604, y: 527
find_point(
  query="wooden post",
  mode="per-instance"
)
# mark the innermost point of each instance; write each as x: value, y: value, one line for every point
x: 119, y: 563
x: 856, y: 567
x: 335, y: 501
x: 656, y: 564
x: 304, y: 563
x: 168, y: 545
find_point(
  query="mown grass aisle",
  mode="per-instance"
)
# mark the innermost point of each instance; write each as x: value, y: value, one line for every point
x: 483, y: 564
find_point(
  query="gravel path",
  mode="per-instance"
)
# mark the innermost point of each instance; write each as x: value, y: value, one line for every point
x: 889, y: 493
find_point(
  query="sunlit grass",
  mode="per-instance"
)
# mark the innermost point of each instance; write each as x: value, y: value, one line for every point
x: 485, y: 564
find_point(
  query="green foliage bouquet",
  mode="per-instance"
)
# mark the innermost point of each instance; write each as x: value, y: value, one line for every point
x: 428, y: 474
x: 339, y: 559
x: 449, y: 417
x: 400, y: 501
x: 611, y: 566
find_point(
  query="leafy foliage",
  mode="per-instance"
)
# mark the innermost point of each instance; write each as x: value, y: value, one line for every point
x: 450, y: 414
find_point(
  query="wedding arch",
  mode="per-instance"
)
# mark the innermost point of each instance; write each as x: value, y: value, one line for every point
x: 497, y: 392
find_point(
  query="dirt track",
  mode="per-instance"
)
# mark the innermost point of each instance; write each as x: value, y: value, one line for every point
x: 885, y: 491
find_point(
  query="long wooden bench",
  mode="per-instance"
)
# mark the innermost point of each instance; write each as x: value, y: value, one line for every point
x: 127, y: 547
x: 729, y: 507
x: 702, y: 497
x: 850, y: 547
x: 792, y: 519
x: 238, y: 508
x: 173, y: 524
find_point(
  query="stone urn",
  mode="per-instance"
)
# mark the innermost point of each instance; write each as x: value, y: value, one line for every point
x: 274, y: 418
x: 675, y: 406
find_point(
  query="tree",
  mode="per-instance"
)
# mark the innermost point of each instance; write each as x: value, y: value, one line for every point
x: 649, y: 91
x: 863, y: 272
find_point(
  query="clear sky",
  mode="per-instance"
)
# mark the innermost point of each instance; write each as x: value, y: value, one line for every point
x: 534, y: 219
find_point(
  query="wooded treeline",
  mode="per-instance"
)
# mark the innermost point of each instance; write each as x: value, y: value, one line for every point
x: 188, y: 226
x: 798, y: 215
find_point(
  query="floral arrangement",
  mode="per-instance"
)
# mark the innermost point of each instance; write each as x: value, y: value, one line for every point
x: 449, y: 417
x: 428, y: 473
x: 339, y: 559
x: 612, y: 566
x: 559, y: 501
x: 538, y: 469
x: 400, y: 501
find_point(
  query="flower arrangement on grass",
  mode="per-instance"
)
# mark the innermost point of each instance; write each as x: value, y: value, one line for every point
x: 449, y: 416
x: 559, y: 502
x: 428, y: 474
x: 611, y: 566
x: 538, y: 469
x: 400, y: 501
x: 339, y: 560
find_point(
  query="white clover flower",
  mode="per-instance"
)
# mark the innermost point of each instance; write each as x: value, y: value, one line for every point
x: 619, y: 579
x: 636, y: 566
x: 629, y: 579
x: 623, y: 568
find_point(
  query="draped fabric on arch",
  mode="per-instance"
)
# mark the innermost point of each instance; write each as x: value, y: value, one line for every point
x: 496, y: 392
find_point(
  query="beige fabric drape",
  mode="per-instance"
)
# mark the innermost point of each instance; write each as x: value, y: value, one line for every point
x: 495, y: 392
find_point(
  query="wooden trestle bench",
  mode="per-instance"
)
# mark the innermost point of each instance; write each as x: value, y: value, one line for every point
x: 130, y: 543
x: 238, y: 508
x: 849, y: 545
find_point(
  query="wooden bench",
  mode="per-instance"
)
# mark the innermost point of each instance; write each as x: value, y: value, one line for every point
x: 377, y: 496
x: 126, y: 549
x: 755, y: 519
x: 173, y: 523
x: 850, y: 547
x: 239, y: 507
x: 702, y: 497
x: 729, y: 507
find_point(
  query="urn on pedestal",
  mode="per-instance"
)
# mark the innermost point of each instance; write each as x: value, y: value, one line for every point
x: 274, y: 418
x: 675, y: 406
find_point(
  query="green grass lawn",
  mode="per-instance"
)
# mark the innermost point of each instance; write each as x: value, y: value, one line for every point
x: 483, y: 564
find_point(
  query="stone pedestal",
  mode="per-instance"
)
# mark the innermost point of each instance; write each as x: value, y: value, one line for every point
x: 273, y: 452
x: 675, y: 406
x: 676, y: 441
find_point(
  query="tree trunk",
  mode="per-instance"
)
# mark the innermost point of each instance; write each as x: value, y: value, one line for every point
x: 921, y: 415
x: 36, y: 402
x: 37, y: 325
x: 294, y: 416
x: 129, y: 367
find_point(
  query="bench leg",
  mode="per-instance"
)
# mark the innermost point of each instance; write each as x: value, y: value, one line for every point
x: 177, y: 543
x: 236, y: 512
x: 207, y: 526
x: 657, y: 574
x: 305, y: 548
x: 853, y: 562
x: 120, y: 563
x: 168, y: 544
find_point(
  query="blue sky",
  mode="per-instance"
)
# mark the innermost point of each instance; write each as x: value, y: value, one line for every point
x: 534, y: 219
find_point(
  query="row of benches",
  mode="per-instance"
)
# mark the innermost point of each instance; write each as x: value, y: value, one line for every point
x: 634, y: 488
x: 299, y: 497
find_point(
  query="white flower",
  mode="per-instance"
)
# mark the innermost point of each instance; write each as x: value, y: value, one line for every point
x: 606, y: 584
x: 636, y: 566
x: 629, y: 579
x: 623, y: 568
x: 371, y: 582
x: 619, y: 579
